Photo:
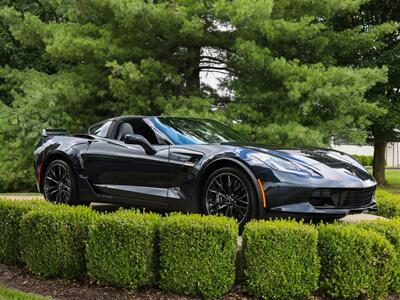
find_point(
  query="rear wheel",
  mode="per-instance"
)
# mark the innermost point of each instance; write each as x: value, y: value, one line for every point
x: 230, y: 192
x: 60, y: 184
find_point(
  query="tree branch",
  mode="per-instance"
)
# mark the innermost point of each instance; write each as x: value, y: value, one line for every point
x: 212, y: 58
x: 216, y: 71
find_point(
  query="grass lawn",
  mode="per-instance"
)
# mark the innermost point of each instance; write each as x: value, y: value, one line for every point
x: 393, y: 177
x: 20, y: 194
x: 10, y: 294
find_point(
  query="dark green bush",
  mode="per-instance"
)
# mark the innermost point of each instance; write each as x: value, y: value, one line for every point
x: 197, y: 254
x: 355, y: 263
x: 388, y: 204
x: 365, y: 160
x: 53, y: 240
x: 11, y: 213
x: 121, y: 249
x: 391, y: 230
x: 280, y: 259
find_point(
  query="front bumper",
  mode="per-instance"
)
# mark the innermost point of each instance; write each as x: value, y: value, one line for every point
x: 295, y: 201
x: 307, y: 211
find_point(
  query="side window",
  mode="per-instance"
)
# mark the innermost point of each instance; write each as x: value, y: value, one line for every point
x: 140, y: 127
x: 100, y: 129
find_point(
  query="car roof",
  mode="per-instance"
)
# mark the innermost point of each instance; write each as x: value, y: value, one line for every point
x: 146, y: 117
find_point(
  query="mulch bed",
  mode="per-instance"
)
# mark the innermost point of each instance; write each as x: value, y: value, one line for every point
x: 21, y: 279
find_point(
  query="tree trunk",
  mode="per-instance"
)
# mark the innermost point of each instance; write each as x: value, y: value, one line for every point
x: 379, y: 161
x: 193, y: 68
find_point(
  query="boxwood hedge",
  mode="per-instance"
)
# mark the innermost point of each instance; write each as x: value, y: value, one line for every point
x: 391, y: 230
x: 355, y: 263
x: 121, y: 249
x: 54, y: 239
x: 280, y: 259
x: 197, y: 254
x: 11, y: 213
x: 388, y: 204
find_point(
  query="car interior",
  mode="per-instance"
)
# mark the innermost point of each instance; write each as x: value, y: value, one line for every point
x: 136, y: 126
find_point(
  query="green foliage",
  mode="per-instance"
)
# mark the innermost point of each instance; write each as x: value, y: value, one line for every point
x: 70, y: 63
x: 10, y: 294
x: 376, y: 18
x: 388, y: 204
x: 121, y: 249
x: 366, y: 160
x: 11, y: 213
x: 391, y: 230
x: 197, y: 254
x: 355, y: 263
x: 280, y: 259
x: 54, y: 240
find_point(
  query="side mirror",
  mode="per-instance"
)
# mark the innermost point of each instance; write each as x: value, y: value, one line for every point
x: 137, y: 139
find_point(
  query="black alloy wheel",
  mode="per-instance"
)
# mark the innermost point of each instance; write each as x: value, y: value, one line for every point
x: 229, y: 192
x: 59, y: 183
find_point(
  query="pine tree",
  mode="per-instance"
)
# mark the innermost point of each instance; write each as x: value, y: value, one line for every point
x: 99, y: 58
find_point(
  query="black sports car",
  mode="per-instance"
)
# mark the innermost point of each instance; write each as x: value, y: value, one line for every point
x: 197, y: 165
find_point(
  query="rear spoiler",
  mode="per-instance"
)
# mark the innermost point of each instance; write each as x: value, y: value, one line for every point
x: 53, y: 132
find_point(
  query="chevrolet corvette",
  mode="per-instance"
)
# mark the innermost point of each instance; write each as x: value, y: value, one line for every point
x: 197, y: 165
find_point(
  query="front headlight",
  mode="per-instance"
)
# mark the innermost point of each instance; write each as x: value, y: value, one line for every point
x: 281, y: 164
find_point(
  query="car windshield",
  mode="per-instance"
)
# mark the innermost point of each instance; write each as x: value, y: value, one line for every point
x: 185, y: 131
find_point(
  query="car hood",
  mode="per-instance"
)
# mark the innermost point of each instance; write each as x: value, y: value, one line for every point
x: 327, y: 162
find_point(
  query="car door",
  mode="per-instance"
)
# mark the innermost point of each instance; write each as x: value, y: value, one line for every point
x: 127, y: 173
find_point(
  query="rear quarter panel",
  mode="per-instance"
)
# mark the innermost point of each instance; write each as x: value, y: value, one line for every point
x: 68, y: 148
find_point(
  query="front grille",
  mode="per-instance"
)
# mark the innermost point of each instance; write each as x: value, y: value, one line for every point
x: 343, y: 198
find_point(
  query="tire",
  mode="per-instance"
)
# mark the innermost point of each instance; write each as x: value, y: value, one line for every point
x: 60, y: 184
x: 226, y: 191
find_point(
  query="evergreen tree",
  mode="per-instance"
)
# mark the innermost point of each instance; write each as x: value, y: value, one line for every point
x: 99, y: 58
x: 386, y: 52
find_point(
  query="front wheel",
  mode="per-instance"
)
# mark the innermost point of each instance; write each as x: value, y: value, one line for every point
x: 60, y: 184
x: 230, y: 192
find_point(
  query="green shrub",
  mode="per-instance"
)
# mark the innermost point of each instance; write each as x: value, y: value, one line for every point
x: 280, y: 259
x: 388, y: 204
x: 53, y: 240
x: 391, y: 230
x: 11, y: 213
x: 121, y: 249
x: 197, y: 254
x: 365, y: 160
x: 355, y: 263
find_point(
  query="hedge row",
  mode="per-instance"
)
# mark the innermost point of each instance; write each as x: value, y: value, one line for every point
x: 11, y: 213
x: 195, y: 255
x: 391, y: 230
x: 54, y: 239
x: 280, y: 259
x: 120, y: 249
x: 388, y: 204
x: 356, y: 263
x: 365, y: 160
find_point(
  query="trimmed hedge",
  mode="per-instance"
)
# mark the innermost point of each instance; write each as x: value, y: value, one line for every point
x: 121, y: 249
x: 391, y: 230
x: 365, y: 160
x: 280, y: 259
x: 355, y: 263
x: 11, y: 213
x: 197, y: 254
x: 53, y: 240
x: 388, y: 204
